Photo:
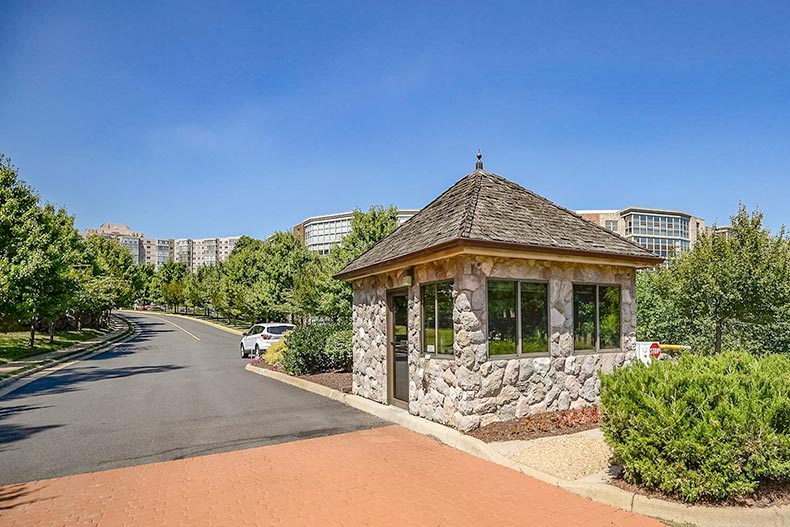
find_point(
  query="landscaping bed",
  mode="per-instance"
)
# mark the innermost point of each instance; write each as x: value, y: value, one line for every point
x: 340, y: 380
x: 541, y: 425
x: 337, y: 380
x: 768, y: 494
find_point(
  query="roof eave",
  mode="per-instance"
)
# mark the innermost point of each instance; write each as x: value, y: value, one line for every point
x: 632, y: 260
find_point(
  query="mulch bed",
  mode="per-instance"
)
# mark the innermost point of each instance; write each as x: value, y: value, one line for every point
x: 337, y: 380
x: 769, y: 494
x: 340, y: 381
x: 541, y: 425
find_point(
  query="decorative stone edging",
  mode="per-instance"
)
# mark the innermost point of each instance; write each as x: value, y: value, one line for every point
x: 90, y: 350
x: 700, y: 516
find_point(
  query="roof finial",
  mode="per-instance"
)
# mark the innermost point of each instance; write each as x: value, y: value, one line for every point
x: 479, y: 164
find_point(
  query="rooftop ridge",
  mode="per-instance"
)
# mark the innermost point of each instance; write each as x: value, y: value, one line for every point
x: 471, y: 212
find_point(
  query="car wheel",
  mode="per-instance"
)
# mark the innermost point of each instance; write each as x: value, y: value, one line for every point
x: 257, y: 351
x: 243, y: 353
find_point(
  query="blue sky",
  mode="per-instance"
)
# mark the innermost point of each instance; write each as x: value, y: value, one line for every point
x: 193, y: 119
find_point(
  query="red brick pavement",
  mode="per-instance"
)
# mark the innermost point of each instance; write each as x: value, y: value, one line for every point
x: 381, y: 477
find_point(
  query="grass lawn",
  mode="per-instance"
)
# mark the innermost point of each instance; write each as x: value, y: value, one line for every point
x: 13, y: 345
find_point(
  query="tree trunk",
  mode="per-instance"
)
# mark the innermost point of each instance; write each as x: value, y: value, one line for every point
x: 51, y: 332
x: 32, y: 342
x: 717, y: 343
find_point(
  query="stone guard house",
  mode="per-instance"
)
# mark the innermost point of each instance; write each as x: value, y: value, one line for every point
x: 492, y: 303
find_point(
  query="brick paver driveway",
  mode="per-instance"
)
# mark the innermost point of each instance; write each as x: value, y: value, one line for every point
x: 383, y: 476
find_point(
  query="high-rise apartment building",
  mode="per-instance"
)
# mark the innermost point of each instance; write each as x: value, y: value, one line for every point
x: 158, y: 251
x: 664, y: 232
x: 136, y: 248
x: 321, y: 233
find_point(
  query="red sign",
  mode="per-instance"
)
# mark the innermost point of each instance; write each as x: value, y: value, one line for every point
x: 655, y: 350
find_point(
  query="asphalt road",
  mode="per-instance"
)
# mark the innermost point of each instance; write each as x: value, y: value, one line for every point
x: 168, y: 393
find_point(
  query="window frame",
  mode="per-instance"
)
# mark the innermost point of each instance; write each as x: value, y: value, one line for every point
x: 519, y: 353
x: 597, y: 348
x: 435, y: 354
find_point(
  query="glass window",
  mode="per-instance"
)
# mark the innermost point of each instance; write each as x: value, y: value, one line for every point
x: 502, y: 317
x: 279, y: 330
x: 534, y: 317
x: 437, y: 318
x: 609, y: 313
x: 596, y: 317
x: 584, y: 317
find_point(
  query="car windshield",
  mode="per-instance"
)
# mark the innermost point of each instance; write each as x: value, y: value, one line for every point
x: 278, y: 330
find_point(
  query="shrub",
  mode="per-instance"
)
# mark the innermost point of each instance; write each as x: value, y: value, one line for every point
x: 338, y: 349
x: 274, y: 354
x: 704, y: 428
x: 305, y: 349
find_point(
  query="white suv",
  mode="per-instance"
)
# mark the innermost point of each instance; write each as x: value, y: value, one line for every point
x: 261, y: 336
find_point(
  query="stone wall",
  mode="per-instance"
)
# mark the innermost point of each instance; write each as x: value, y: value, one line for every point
x: 468, y: 390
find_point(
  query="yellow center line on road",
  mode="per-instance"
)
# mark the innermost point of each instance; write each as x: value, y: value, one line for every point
x: 176, y: 325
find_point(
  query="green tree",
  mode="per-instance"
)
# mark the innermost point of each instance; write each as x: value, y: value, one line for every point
x: 144, y: 284
x: 170, y: 283
x: 108, y: 279
x: 731, y: 291
x: 260, y: 278
x: 38, y: 249
x: 333, y: 298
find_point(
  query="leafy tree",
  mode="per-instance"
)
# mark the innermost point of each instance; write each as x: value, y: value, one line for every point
x: 38, y: 248
x: 170, y: 282
x: 108, y: 279
x: 145, y: 284
x: 260, y: 277
x: 731, y: 290
x: 333, y: 298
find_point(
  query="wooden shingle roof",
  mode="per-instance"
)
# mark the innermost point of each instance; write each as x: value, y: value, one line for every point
x: 489, y: 210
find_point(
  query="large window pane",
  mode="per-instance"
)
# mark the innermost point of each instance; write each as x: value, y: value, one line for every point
x: 444, y: 317
x: 609, y: 313
x: 534, y: 318
x: 429, y: 318
x: 437, y: 319
x: 584, y: 317
x: 501, y: 317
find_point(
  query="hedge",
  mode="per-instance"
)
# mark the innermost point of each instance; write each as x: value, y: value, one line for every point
x: 338, y: 349
x: 305, y: 349
x: 701, y: 429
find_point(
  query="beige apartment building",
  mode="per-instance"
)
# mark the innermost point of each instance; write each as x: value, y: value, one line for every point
x: 663, y: 232
x: 158, y: 251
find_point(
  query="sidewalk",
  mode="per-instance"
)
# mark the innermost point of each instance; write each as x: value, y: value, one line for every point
x: 13, y: 369
x: 379, y: 477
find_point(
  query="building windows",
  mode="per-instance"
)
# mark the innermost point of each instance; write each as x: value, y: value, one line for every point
x: 534, y: 317
x: 610, y: 225
x: 596, y: 317
x: 517, y: 317
x: 437, y: 318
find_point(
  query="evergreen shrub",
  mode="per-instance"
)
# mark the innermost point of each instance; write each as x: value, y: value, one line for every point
x: 338, y: 349
x: 305, y: 350
x: 703, y: 428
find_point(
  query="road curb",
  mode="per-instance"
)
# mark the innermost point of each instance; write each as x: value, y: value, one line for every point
x: 93, y: 349
x: 698, y: 516
x: 176, y: 315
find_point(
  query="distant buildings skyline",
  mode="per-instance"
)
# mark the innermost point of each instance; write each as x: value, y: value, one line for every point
x: 665, y: 232
x: 194, y: 252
